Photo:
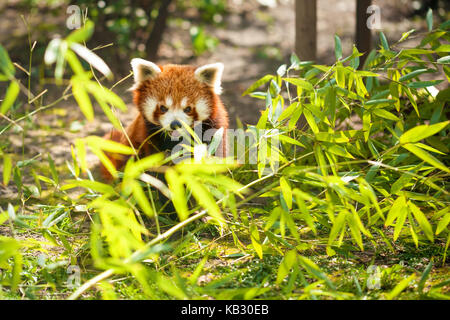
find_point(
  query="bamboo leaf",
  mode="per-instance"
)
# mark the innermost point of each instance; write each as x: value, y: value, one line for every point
x: 194, y: 276
x: 413, y: 74
x: 340, y: 76
x: 289, y: 259
x: 338, y: 225
x: 105, y: 161
x: 256, y: 242
x: 401, y: 182
x: 430, y: 19
x: 141, y: 198
x: 444, y: 60
x: 203, y: 197
x: 6, y: 65
x: 215, y: 141
x: 10, y: 97
x: 379, y: 102
x: 258, y: 83
x: 106, y: 95
x: 355, y: 230
x: 82, y: 34
x: 443, y: 223
x: 177, y: 192
x: 88, y: 184
x: 337, y: 47
x: 398, y: 206
x: 311, y: 120
x: 53, y: 169
x: 81, y: 153
x: 400, y: 287
x: 385, y: 114
x: 315, y: 271
x: 411, y: 99
x: 401, y: 218
x: 286, y: 191
x: 320, y: 159
x: 300, y: 83
x: 93, y: 59
x: 405, y: 35
x: 423, y: 131
x: 82, y: 98
x: 7, y: 168
x: 384, y: 42
x: 167, y: 285
x: 290, y: 140
x: 425, y: 156
x: 107, y: 110
x: 108, y: 145
x: 367, y: 124
x: 425, y: 276
x: 422, y: 220
x: 423, y: 84
x: 51, y: 53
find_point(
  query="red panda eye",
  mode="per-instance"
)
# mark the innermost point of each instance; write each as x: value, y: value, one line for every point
x: 187, y: 109
x: 163, y: 109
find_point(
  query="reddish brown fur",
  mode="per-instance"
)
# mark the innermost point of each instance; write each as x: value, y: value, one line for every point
x: 176, y: 81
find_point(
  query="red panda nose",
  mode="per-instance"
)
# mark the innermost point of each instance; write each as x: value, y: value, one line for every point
x: 175, y: 124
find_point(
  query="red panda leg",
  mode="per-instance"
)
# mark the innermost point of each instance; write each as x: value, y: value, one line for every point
x: 116, y: 159
x: 222, y: 148
x: 137, y: 133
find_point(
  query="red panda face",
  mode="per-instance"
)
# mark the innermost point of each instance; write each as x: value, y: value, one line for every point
x: 172, y: 94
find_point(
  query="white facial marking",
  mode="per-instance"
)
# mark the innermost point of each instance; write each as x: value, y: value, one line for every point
x: 183, y: 103
x: 169, y: 101
x: 172, y: 115
x: 203, y: 109
x: 149, y: 107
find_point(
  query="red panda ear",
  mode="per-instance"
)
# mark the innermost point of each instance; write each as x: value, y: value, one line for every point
x: 211, y: 74
x: 144, y: 70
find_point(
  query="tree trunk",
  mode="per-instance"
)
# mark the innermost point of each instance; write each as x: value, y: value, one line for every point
x: 306, y: 29
x: 155, y: 38
x: 363, y: 33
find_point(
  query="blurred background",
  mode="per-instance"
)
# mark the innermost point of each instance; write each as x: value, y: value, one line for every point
x: 251, y: 37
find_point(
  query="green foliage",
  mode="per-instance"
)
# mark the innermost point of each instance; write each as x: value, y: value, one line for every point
x: 127, y: 20
x: 201, y: 41
x: 351, y: 168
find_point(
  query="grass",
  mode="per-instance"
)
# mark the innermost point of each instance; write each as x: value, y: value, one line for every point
x: 45, y: 273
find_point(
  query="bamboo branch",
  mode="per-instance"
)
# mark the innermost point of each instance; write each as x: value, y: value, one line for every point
x: 106, y: 274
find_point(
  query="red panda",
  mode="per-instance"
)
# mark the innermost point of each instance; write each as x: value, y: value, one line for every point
x: 165, y: 96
